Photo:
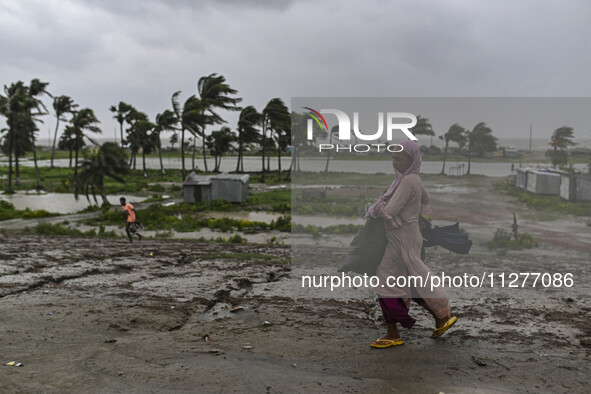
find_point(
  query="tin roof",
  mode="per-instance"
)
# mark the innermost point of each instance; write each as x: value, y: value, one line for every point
x: 233, y: 177
x: 194, y: 179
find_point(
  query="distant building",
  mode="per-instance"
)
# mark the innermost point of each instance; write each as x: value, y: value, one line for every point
x: 579, y: 152
x: 510, y: 151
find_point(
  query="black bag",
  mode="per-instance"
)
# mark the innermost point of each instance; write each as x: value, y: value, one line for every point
x: 367, y: 248
x: 448, y: 237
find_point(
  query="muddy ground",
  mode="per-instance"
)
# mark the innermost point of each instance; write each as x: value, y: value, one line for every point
x: 102, y: 315
x: 105, y: 316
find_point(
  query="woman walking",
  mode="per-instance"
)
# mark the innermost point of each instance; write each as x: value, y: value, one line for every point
x: 399, y: 207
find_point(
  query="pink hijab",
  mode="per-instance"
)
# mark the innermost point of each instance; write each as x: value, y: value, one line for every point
x: 413, y: 151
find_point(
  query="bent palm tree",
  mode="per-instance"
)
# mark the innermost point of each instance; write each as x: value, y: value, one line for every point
x: 275, y: 119
x: 219, y: 143
x: 472, y: 138
x: 423, y: 127
x: 562, y: 138
x: 456, y: 133
x: 61, y: 105
x: 188, y: 118
x: 83, y: 121
x: 247, y: 132
x: 121, y: 112
x: 21, y: 107
x: 165, y: 121
x: 214, y: 93
x: 109, y: 161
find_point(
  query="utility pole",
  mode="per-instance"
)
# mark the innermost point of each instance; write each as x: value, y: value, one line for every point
x: 530, y: 133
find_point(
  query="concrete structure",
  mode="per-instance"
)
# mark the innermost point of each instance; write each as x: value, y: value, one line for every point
x: 575, y: 187
x: 197, y: 188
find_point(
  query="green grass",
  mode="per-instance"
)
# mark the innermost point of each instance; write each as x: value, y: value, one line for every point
x: 44, y: 228
x: 7, y: 211
x: 188, y: 218
x: 539, y: 202
x: 503, y: 239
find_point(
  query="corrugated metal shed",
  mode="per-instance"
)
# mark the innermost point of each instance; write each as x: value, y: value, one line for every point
x: 197, y: 188
x: 543, y: 182
x: 232, y: 187
x: 576, y: 187
x: 521, y: 178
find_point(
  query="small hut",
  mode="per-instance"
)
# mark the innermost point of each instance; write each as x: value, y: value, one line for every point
x: 197, y: 188
x: 231, y: 187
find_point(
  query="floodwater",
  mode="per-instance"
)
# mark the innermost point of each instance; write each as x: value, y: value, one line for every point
x: 59, y: 202
x: 318, y: 165
x: 266, y: 217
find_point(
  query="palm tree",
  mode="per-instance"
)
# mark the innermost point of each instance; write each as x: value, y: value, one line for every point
x: 36, y: 89
x: 299, y: 131
x: 142, y: 137
x: 423, y: 127
x: 275, y: 118
x: 83, y: 121
x: 334, y: 130
x: 483, y: 140
x: 61, y: 105
x: 121, y: 112
x: 68, y: 142
x: 456, y: 133
x: 13, y: 102
x: 247, y: 132
x: 562, y: 138
x: 133, y: 134
x: 165, y: 121
x: 108, y: 161
x: 279, y: 127
x: 214, y: 93
x: 219, y: 143
x: 560, y: 141
x: 471, y: 138
x: 21, y: 107
x: 174, y: 138
x: 188, y: 117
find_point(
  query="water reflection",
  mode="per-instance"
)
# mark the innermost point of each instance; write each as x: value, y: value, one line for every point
x: 499, y: 169
x: 59, y: 202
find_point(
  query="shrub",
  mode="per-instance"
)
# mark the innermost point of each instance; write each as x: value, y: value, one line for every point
x: 237, y: 239
x: 156, y: 188
x: 503, y: 239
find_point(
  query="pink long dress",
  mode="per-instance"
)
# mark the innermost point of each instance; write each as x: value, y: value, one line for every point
x: 402, y: 256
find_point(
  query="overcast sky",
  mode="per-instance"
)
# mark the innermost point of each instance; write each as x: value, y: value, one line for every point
x: 142, y: 51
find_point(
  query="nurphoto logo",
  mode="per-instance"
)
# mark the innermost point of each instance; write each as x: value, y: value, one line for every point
x: 391, y: 120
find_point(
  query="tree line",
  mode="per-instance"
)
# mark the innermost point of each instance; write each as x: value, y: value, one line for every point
x: 22, y: 107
